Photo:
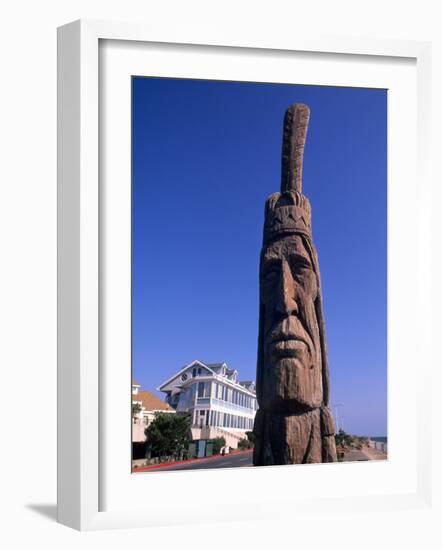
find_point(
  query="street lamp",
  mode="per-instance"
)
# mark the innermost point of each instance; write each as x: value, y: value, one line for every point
x: 337, y: 417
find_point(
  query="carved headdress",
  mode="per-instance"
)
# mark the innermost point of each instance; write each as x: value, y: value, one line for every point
x: 289, y: 211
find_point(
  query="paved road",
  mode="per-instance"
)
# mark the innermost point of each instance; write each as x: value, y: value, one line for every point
x: 365, y: 453
x: 237, y: 460
x: 228, y: 461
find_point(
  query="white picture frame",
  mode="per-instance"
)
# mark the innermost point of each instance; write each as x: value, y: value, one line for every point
x: 81, y: 473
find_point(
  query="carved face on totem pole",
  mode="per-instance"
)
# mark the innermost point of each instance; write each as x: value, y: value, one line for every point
x: 292, y: 370
x: 291, y: 341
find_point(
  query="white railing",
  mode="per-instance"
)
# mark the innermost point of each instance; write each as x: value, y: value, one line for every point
x: 232, y: 406
x: 209, y: 432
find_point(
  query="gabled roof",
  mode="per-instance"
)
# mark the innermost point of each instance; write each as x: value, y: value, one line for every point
x: 216, y: 365
x: 151, y: 402
x: 195, y: 362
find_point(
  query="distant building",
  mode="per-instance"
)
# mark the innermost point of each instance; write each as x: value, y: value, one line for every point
x: 149, y: 405
x: 218, y: 404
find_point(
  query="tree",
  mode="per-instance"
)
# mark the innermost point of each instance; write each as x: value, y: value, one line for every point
x: 218, y: 444
x: 343, y: 438
x: 251, y: 437
x: 136, y: 409
x: 244, y: 444
x: 168, y: 435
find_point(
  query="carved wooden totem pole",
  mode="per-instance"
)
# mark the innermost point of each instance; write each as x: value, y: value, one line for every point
x: 293, y: 424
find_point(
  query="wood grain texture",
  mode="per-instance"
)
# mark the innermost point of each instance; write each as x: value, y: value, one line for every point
x: 293, y: 424
x: 296, y: 122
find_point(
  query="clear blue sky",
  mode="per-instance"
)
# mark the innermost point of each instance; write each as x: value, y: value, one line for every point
x: 206, y: 155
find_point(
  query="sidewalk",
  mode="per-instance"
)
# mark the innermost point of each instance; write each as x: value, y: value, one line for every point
x: 366, y: 453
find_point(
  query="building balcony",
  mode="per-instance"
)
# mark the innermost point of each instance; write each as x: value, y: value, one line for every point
x: 224, y: 405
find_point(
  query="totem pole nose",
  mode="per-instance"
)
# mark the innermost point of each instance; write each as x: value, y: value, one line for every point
x: 286, y: 303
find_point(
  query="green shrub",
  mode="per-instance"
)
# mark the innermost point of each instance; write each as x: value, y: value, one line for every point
x: 244, y: 444
x: 218, y: 443
x: 168, y: 435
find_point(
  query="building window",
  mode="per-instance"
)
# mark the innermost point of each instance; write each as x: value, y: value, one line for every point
x: 202, y: 416
x: 194, y: 372
x: 204, y: 389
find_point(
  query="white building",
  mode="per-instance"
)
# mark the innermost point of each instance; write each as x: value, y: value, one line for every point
x: 148, y: 405
x: 219, y: 405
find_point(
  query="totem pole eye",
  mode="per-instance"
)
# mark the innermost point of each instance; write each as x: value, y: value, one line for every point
x: 271, y: 275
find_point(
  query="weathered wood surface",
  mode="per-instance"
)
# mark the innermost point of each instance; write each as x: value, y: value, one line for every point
x: 294, y: 424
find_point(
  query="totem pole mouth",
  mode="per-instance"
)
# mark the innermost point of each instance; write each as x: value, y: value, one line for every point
x: 288, y: 347
x: 289, y: 338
